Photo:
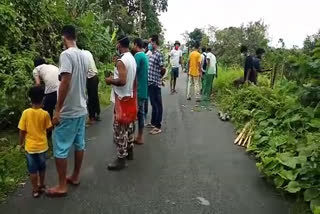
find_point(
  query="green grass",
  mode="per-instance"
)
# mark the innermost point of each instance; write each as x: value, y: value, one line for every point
x: 12, y: 163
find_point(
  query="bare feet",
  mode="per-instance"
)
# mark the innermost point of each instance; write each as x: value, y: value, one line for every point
x: 73, y: 181
x: 57, y: 191
x: 138, y: 141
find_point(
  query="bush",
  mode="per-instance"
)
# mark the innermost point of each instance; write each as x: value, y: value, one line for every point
x: 286, y: 133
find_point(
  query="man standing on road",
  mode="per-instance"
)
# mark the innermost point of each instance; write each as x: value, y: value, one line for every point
x: 195, y: 73
x: 175, y: 58
x: 123, y: 90
x: 248, y: 64
x: 204, y: 67
x: 49, y: 75
x: 142, y: 81
x: 92, y: 89
x: 156, y: 72
x: 211, y: 72
x: 71, y: 111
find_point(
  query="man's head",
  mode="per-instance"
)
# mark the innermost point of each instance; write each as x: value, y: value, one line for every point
x: 68, y: 34
x: 138, y: 44
x: 39, y: 61
x: 243, y: 49
x: 154, y: 41
x: 177, y: 45
x: 204, y: 49
x: 36, y: 94
x: 260, y: 52
x: 197, y: 45
x: 123, y: 44
x: 209, y: 50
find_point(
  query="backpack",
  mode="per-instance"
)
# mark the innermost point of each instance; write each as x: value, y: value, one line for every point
x: 204, y: 66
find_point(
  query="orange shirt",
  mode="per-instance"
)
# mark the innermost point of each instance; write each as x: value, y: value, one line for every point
x: 194, y: 63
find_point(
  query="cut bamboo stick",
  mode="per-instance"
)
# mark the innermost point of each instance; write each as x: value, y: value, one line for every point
x: 249, y: 141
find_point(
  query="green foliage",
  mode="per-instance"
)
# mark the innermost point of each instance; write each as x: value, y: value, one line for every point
x: 12, y: 163
x: 286, y: 132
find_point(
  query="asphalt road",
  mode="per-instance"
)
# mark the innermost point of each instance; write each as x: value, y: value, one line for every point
x: 191, y: 168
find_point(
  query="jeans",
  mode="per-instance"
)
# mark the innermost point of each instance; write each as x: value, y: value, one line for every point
x: 156, y: 103
x: 93, y: 97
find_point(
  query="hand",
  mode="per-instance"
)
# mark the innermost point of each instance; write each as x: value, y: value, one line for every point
x: 109, y: 80
x: 56, y: 118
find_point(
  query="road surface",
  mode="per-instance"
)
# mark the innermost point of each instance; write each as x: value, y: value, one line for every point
x: 191, y: 168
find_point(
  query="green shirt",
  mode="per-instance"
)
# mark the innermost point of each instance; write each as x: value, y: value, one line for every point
x: 142, y: 74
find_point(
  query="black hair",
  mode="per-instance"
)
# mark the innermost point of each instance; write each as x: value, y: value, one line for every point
x: 155, y: 38
x: 145, y: 44
x: 69, y: 31
x: 204, y: 49
x: 124, y: 41
x: 209, y: 49
x: 39, y: 61
x: 243, y: 49
x: 260, y: 51
x: 36, y: 94
x: 197, y: 45
x: 138, y: 42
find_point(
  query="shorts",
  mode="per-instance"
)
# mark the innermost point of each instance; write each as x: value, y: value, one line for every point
x: 70, y: 131
x: 36, y: 162
x: 175, y: 72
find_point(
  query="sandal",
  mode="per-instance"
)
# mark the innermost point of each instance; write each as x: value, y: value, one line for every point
x: 156, y: 131
x: 42, y: 188
x: 35, y: 194
x: 149, y: 125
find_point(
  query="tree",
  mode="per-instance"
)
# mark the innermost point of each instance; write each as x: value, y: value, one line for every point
x: 195, y: 37
x: 310, y: 43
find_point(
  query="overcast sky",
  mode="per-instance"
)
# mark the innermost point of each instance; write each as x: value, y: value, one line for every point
x: 291, y: 20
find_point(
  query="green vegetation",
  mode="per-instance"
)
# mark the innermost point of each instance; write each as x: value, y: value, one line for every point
x: 286, y: 124
x: 32, y: 28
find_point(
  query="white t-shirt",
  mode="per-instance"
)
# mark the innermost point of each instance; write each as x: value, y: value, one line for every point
x: 49, y: 74
x: 131, y: 67
x: 175, y: 58
x: 73, y: 61
x: 213, y: 62
x: 93, y: 71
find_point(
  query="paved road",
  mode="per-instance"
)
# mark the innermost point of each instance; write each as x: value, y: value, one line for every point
x: 193, y: 157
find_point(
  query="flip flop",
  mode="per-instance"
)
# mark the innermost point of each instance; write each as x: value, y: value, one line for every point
x: 52, y: 194
x: 149, y: 125
x: 69, y: 181
x: 42, y: 189
x: 156, y: 131
x: 35, y: 194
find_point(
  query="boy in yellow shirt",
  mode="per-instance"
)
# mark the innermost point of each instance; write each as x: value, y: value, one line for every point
x: 33, y: 127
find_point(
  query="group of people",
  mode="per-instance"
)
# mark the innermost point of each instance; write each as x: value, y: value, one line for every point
x: 202, y: 70
x: 71, y: 92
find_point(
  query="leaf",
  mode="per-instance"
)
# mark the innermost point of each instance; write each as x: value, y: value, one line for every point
x: 315, y: 123
x: 288, y: 174
x: 293, y: 187
x: 311, y: 194
x: 278, y: 181
x: 315, y: 206
x: 287, y: 160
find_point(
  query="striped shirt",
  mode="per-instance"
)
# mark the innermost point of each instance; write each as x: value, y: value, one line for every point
x: 155, y: 65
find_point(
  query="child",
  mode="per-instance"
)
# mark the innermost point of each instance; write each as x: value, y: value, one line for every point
x: 33, y: 126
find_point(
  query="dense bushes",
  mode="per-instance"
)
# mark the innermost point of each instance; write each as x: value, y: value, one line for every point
x: 286, y: 133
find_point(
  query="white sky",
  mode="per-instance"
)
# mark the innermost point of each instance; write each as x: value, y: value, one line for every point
x: 291, y: 20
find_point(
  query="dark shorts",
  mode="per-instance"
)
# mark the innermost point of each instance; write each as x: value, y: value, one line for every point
x: 175, y: 72
x: 36, y: 162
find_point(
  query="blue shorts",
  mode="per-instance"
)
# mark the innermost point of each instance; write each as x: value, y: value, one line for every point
x: 70, y: 131
x: 36, y: 162
x: 175, y: 72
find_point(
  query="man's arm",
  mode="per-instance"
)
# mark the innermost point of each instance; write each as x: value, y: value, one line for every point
x: 63, y: 90
x: 208, y: 63
x: 122, y: 80
x: 22, y: 137
x: 36, y: 77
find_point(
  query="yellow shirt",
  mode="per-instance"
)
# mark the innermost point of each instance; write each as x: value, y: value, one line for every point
x: 194, y: 63
x: 35, y: 123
